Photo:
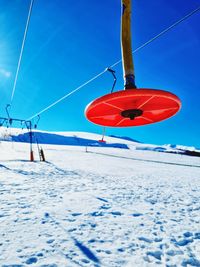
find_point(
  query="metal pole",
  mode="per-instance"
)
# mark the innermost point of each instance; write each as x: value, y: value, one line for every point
x: 104, y: 131
x: 126, y: 47
x: 31, y: 142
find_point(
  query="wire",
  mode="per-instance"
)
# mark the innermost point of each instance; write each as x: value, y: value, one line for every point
x: 67, y: 95
x: 116, y: 63
x: 21, y: 52
x: 161, y: 33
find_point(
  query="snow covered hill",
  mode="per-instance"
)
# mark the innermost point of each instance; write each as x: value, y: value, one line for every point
x: 99, y: 206
x: 90, y: 139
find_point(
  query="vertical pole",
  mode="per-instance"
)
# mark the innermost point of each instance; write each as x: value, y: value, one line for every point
x: 38, y: 149
x: 42, y: 155
x: 126, y: 47
x: 31, y: 142
x: 104, y: 131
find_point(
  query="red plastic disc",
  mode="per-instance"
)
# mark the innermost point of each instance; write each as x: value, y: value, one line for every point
x: 132, y: 107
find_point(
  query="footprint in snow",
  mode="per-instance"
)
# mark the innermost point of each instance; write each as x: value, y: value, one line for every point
x: 137, y: 214
x: 105, y: 207
x: 116, y: 213
x: 156, y: 254
x: 31, y: 260
x: 147, y: 240
x: 96, y: 214
x: 191, y: 262
x: 182, y: 242
x: 173, y: 253
x: 75, y: 214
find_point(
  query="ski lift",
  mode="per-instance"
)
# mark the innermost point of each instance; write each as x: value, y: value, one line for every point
x: 132, y: 106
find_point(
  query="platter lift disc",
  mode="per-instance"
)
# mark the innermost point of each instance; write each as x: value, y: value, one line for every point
x: 132, y: 106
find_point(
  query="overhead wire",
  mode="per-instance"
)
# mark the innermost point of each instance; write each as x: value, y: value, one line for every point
x: 161, y: 33
x: 67, y: 95
x: 116, y: 63
x: 22, y: 49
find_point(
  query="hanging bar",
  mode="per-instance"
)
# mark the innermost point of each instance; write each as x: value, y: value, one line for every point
x: 126, y: 47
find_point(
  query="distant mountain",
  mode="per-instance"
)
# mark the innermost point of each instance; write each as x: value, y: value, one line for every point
x: 176, y: 149
x: 91, y: 139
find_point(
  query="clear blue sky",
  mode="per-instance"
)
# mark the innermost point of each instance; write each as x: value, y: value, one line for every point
x: 69, y: 42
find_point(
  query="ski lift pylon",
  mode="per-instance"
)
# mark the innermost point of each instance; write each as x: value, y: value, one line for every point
x: 132, y: 106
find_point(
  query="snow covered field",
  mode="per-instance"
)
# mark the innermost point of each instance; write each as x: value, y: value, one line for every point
x: 105, y: 207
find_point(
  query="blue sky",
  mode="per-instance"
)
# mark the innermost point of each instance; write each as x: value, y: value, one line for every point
x: 69, y: 42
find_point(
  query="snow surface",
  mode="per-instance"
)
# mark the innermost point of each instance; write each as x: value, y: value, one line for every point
x: 98, y: 206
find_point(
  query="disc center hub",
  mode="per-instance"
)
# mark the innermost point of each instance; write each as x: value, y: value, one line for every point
x: 131, y: 113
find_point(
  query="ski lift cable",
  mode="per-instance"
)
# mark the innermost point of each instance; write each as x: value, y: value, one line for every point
x: 22, y: 49
x: 161, y: 33
x: 68, y: 94
x: 116, y: 63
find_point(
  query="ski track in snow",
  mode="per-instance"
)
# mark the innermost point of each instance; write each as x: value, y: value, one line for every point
x: 90, y: 209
